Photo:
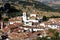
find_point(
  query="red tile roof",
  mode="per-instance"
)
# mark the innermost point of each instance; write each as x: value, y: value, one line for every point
x: 13, y: 35
x: 17, y: 29
x: 6, y: 29
x: 11, y: 26
x: 22, y: 35
x: 16, y: 19
x: 18, y: 24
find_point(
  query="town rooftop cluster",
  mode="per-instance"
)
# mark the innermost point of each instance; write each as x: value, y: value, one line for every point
x: 28, y: 27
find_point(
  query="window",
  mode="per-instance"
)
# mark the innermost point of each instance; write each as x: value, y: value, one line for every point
x: 27, y: 22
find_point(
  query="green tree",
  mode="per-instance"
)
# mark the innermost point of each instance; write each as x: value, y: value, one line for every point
x: 51, y: 30
x: 45, y: 18
x: 56, y: 36
x: 38, y: 38
x: 0, y: 17
x: 5, y: 19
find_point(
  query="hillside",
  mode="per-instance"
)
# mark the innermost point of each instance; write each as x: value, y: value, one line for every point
x: 36, y: 7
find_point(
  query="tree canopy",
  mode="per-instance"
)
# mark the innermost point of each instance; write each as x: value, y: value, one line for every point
x: 11, y: 11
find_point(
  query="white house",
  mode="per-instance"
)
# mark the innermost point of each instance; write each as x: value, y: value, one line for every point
x: 32, y: 15
x: 27, y: 23
x: 52, y: 26
x: 42, y: 24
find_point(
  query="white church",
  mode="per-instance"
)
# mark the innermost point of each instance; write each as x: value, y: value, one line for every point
x: 28, y: 20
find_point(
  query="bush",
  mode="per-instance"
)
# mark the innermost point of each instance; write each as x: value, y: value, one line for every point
x: 45, y: 18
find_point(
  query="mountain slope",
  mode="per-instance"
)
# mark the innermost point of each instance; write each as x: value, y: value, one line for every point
x: 38, y: 5
x: 39, y: 8
x: 35, y: 7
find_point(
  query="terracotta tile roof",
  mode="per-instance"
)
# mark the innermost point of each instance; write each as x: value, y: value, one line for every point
x: 35, y: 33
x: 11, y: 26
x: 41, y: 32
x: 18, y: 24
x: 58, y: 30
x: 13, y: 35
x: 16, y: 19
x: 55, y: 21
x: 30, y: 34
x: 22, y: 35
x: 6, y: 29
x: 18, y: 29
